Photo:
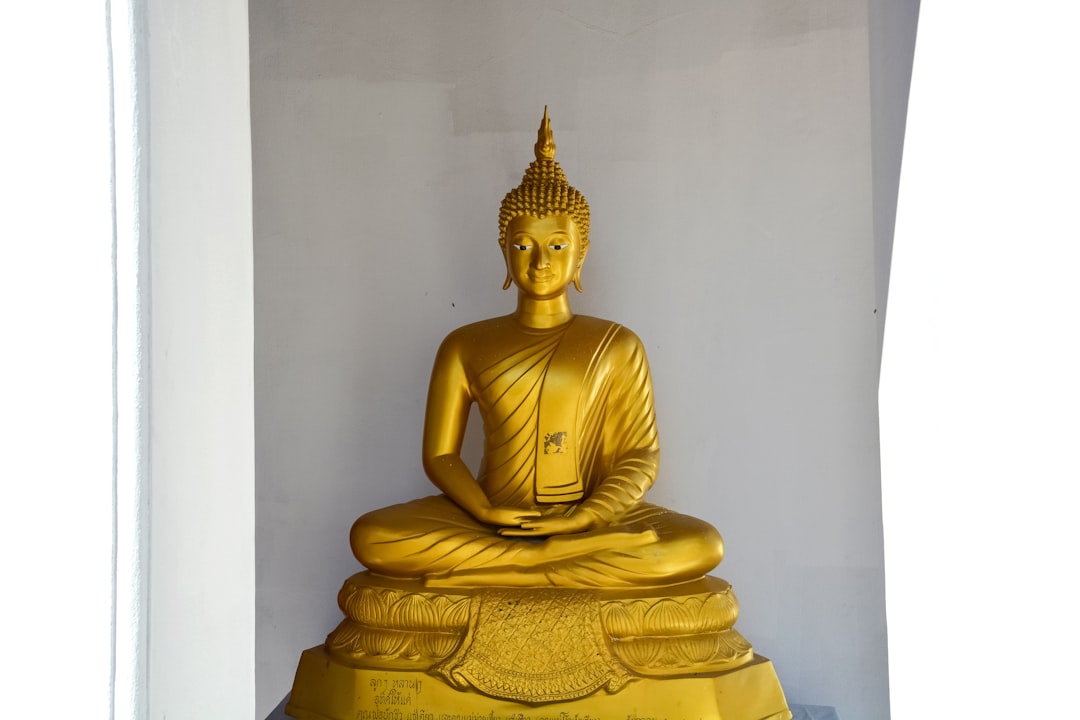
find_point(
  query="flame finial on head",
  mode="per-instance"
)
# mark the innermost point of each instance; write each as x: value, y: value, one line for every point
x: 545, y: 141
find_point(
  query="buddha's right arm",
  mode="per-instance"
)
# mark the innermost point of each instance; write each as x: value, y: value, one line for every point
x: 450, y: 475
x: 449, y: 399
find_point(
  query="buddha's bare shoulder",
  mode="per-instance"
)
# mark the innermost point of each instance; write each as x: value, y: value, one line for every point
x: 502, y: 323
x: 478, y: 341
x: 482, y: 329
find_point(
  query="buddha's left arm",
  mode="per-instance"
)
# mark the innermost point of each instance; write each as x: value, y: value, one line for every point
x: 630, y: 441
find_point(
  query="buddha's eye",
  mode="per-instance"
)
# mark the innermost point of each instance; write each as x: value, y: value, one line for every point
x: 523, y: 248
x: 560, y: 246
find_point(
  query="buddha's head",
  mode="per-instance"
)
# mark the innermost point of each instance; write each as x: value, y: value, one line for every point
x: 544, y: 225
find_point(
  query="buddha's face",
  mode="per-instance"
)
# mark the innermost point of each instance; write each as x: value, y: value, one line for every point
x: 543, y: 254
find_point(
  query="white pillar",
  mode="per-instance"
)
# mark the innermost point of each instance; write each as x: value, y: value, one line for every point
x: 201, y: 467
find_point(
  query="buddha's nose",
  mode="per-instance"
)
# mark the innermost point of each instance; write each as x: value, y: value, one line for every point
x: 540, y: 257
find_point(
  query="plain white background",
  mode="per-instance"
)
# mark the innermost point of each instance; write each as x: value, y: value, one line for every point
x: 980, y: 386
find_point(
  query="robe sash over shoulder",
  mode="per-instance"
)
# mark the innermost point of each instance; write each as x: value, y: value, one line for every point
x: 558, y: 476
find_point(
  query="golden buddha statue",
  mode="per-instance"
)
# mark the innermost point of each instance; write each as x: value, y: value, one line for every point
x: 546, y: 577
x: 570, y: 441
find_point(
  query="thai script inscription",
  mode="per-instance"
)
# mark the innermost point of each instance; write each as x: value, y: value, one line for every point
x: 399, y: 699
x: 540, y: 715
x: 394, y: 694
x: 413, y: 713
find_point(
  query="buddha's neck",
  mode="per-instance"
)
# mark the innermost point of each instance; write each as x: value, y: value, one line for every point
x: 543, y: 314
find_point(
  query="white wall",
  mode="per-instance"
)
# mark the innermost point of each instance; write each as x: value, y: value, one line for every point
x: 726, y: 153
x: 201, y: 496
x: 892, y: 46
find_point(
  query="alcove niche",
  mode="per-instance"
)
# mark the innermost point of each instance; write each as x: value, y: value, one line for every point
x: 741, y: 160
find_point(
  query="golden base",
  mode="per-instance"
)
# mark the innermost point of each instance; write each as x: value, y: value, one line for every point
x: 326, y: 689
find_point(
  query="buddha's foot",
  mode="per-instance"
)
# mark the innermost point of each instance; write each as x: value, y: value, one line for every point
x: 562, y: 547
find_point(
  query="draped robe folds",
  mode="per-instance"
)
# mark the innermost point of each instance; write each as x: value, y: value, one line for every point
x: 569, y: 425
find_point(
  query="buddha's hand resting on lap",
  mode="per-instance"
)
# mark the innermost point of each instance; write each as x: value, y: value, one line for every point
x: 554, y: 525
x: 505, y: 516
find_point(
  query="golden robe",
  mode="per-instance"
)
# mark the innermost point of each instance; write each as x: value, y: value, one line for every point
x: 569, y: 425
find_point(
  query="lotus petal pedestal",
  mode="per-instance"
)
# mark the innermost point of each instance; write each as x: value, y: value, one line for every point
x: 410, y: 652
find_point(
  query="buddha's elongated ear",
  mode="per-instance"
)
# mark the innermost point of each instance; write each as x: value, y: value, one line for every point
x: 502, y: 246
x: 577, y: 270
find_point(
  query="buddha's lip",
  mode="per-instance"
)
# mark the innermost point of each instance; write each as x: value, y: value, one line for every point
x: 541, y: 277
